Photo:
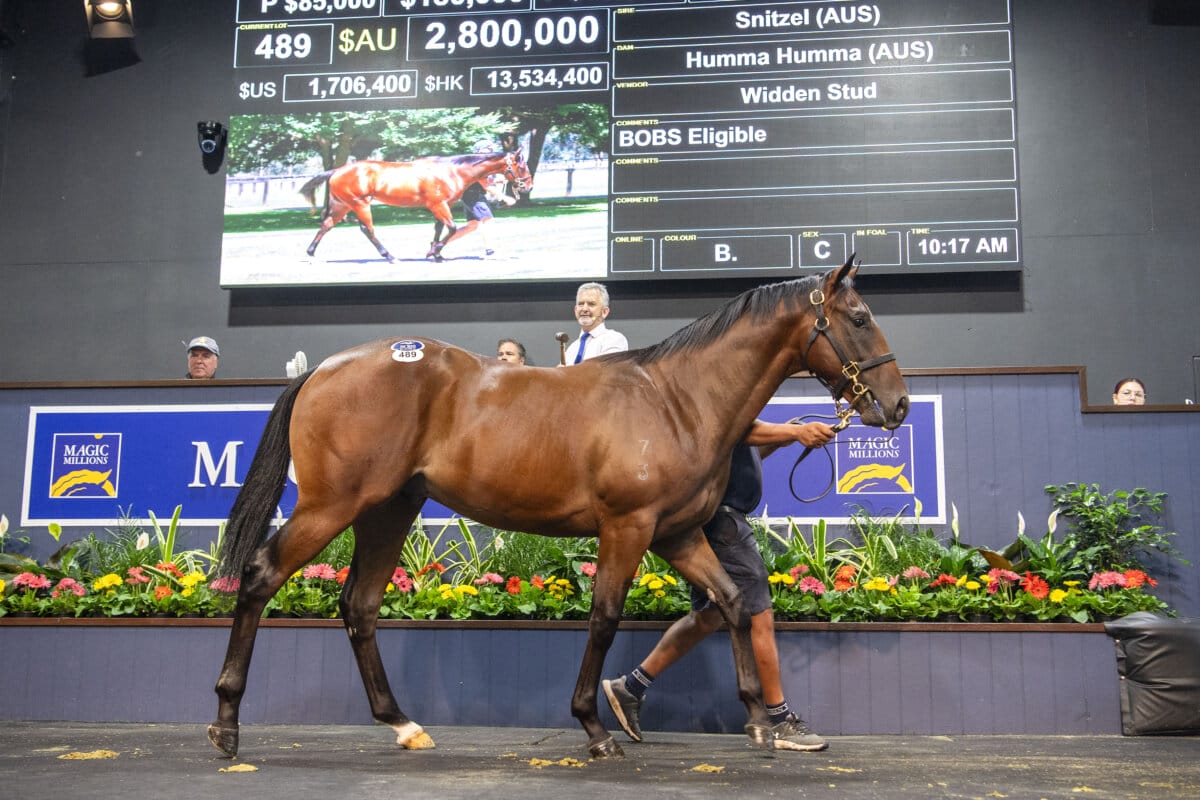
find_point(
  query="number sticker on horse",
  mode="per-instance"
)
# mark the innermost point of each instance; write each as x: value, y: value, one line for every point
x: 407, y: 350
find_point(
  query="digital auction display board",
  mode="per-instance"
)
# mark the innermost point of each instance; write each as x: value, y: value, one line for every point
x: 700, y: 139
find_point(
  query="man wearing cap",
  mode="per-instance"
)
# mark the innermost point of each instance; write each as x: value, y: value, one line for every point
x: 203, y: 358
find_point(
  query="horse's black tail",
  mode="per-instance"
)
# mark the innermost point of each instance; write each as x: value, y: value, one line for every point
x: 256, y: 502
x: 309, y: 189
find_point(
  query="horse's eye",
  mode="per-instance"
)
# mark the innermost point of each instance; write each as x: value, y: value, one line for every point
x: 860, y: 322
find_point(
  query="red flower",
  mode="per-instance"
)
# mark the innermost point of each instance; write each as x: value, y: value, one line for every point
x: 162, y: 592
x: 341, y: 575
x: 513, y: 586
x: 1035, y: 586
x: 168, y: 566
x: 537, y: 582
x: 428, y: 567
x: 944, y: 580
x: 1134, y: 578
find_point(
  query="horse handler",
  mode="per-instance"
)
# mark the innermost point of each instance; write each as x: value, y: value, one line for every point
x: 732, y: 539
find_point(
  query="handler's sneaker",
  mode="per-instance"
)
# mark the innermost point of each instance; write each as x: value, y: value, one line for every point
x: 793, y: 734
x: 624, y: 705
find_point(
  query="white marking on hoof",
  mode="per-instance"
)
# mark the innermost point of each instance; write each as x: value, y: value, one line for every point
x: 412, y: 736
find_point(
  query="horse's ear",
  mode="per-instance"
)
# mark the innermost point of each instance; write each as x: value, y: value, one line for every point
x: 836, y: 277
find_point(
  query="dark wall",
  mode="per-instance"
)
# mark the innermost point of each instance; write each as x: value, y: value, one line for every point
x: 110, y: 226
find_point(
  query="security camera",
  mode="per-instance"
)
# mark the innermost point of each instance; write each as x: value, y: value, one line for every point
x: 211, y: 136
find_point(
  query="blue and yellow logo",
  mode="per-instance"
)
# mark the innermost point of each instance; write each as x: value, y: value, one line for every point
x: 85, y: 465
x: 876, y: 462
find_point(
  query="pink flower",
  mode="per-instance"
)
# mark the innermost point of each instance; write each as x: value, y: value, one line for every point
x: 31, y: 580
x: 136, y: 576
x: 1107, y: 580
x: 797, y: 571
x: 229, y: 584
x: 811, y: 584
x: 914, y: 572
x: 488, y: 577
x: 588, y: 568
x: 69, y: 585
x: 401, y: 580
x: 322, y: 571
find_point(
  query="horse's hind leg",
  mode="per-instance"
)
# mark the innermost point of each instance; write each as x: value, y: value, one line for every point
x: 298, y: 541
x: 379, y: 535
x: 366, y: 224
x: 336, y: 213
x: 691, y: 555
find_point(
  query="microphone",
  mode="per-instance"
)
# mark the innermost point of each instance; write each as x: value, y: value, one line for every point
x: 297, y: 366
x: 562, y: 339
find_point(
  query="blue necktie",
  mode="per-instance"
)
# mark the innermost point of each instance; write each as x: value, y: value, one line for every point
x: 582, y: 343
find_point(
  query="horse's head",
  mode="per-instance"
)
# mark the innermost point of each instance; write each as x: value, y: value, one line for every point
x: 517, y: 171
x: 848, y: 353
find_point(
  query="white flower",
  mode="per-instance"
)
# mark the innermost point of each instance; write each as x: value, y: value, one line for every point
x: 1052, y: 521
x: 954, y: 519
x: 143, y: 541
x: 3, y: 525
x: 1020, y: 524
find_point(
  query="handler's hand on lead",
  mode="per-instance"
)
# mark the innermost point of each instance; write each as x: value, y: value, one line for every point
x: 815, y: 434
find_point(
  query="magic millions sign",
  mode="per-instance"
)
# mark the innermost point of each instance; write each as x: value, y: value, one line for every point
x: 98, y: 465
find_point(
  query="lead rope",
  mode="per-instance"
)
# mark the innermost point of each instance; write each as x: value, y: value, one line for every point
x: 843, y: 422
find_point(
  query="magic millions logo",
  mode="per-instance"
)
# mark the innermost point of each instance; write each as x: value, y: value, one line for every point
x: 875, y: 461
x: 85, y: 465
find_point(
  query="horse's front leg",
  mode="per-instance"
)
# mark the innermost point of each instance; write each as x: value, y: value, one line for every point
x: 618, y: 557
x: 691, y: 555
x: 379, y: 536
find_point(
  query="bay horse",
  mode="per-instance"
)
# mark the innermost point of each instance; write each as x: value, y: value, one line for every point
x: 435, y: 182
x: 631, y: 447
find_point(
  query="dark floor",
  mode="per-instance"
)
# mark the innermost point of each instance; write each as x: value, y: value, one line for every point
x: 354, y: 761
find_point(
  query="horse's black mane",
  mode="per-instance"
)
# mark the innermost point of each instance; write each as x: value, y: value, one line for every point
x: 760, y: 303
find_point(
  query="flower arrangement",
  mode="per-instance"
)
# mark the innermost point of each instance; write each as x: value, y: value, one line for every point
x: 881, y: 570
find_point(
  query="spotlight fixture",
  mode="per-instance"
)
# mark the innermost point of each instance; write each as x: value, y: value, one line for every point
x: 109, y: 19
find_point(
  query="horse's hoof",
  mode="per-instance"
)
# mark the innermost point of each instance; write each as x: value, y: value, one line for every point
x: 412, y: 736
x: 607, y: 748
x: 760, y: 736
x: 224, y: 738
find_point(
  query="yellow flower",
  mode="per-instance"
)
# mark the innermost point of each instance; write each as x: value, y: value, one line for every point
x: 670, y: 580
x: 779, y: 577
x: 466, y: 588
x: 878, y: 584
x: 1057, y: 596
x: 1070, y: 584
x: 656, y: 585
x: 391, y: 587
x: 986, y: 579
x: 297, y: 575
x: 188, y: 592
x: 962, y: 581
x: 972, y: 585
x: 660, y: 593
x: 2, y: 586
x: 109, y: 581
x: 192, y: 578
x: 649, y: 576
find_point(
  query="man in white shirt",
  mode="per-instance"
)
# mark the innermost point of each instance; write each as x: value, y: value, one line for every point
x: 595, y: 339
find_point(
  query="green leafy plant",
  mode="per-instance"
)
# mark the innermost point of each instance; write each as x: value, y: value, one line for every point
x: 1115, y: 528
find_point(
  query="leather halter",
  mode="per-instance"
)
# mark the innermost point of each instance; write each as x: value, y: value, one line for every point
x: 851, y: 370
x: 510, y: 170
